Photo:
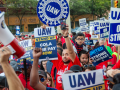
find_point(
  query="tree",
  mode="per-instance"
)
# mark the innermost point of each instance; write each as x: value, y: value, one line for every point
x: 77, y: 8
x: 100, y: 8
x: 20, y: 8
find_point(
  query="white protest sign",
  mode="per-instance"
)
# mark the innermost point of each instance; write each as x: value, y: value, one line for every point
x: 104, y: 29
x: 40, y: 32
x: 94, y: 36
x: 26, y: 43
x: 91, y: 27
x: 96, y: 27
x: 114, y: 31
x: 102, y: 19
x: 84, y: 80
x: 82, y: 22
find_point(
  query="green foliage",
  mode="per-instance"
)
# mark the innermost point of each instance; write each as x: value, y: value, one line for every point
x: 100, y: 8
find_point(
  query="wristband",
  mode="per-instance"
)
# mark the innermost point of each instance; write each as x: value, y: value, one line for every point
x: 65, y: 36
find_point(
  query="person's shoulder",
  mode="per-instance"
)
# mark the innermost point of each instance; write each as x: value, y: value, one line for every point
x: 48, y: 88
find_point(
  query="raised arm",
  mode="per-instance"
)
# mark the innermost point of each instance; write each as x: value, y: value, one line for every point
x: 12, y: 79
x: 34, y: 76
x: 72, y: 54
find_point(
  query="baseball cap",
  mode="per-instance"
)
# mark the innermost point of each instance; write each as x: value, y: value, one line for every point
x: 13, y: 63
x: 116, y: 87
x: 17, y: 68
x: 42, y: 73
x: 76, y: 68
x: 28, y: 63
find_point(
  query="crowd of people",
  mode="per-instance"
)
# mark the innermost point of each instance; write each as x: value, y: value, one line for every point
x: 73, y: 56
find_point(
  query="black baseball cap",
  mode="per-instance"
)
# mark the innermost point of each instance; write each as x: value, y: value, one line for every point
x: 42, y: 73
x: 76, y: 68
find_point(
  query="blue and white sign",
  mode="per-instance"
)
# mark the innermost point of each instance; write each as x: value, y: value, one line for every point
x: 91, y: 27
x: 84, y: 29
x: 104, y: 29
x: 96, y: 27
x: 89, y: 42
x: 102, y: 19
x: 84, y: 80
x: 27, y: 44
x: 46, y: 39
x: 17, y: 30
x: 82, y: 22
x: 94, y: 36
x: 51, y: 11
x: 114, y: 33
x: 99, y: 55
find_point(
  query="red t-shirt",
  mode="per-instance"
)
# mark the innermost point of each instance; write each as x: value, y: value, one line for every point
x: 22, y: 78
x: 113, y: 48
x: 117, y: 65
x: 62, y: 40
x: 100, y: 66
x: 61, y: 68
x: 88, y: 36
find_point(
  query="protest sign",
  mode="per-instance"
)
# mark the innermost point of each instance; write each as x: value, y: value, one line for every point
x: 96, y: 27
x: 94, y: 36
x: 27, y: 44
x: 102, y: 19
x: 51, y: 11
x: 99, y: 55
x: 84, y: 80
x: 91, y: 27
x: 17, y: 30
x: 104, y: 29
x: 82, y: 22
x: 114, y: 33
x: 89, y: 42
x: 46, y: 39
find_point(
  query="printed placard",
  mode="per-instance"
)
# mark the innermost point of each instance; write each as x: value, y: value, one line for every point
x: 102, y: 19
x: 46, y: 39
x: 89, y: 42
x: 114, y: 32
x: 96, y: 27
x: 104, y: 29
x: 99, y: 55
x: 82, y: 22
x: 51, y: 11
x: 27, y: 44
x: 94, y: 36
x: 84, y: 80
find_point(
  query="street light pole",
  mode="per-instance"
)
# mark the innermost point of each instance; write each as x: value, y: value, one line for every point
x: 112, y: 3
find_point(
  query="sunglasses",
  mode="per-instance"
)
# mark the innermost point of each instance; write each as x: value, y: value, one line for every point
x: 50, y: 79
x: 42, y: 79
x: 90, y: 65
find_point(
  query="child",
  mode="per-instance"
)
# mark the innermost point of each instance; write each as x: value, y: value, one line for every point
x: 79, y: 39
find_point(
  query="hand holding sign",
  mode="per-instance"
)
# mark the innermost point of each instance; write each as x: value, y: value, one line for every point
x: 66, y: 31
x: 37, y: 52
x: 4, y: 54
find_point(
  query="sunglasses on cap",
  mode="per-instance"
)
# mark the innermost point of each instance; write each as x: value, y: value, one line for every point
x: 90, y: 65
x: 42, y: 79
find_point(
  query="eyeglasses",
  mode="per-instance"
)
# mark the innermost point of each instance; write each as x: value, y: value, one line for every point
x: 90, y: 65
x: 42, y: 79
x: 80, y: 39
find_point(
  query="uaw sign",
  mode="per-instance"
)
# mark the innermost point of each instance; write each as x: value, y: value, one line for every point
x: 84, y: 80
x: 27, y: 44
x: 104, y: 29
x: 99, y: 54
x: 51, y: 11
x: 114, y: 33
x: 46, y: 39
x: 96, y: 27
x: 82, y: 22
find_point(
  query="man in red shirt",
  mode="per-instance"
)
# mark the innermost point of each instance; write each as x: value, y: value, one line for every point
x: 68, y: 59
x: 22, y: 75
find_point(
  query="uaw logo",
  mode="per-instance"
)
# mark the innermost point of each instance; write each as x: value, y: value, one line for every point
x: 3, y: 25
x: 51, y: 11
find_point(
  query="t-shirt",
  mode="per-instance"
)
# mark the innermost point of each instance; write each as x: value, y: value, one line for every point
x: 117, y: 65
x: 88, y: 36
x: 48, y: 88
x: 61, y: 68
x: 22, y: 78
